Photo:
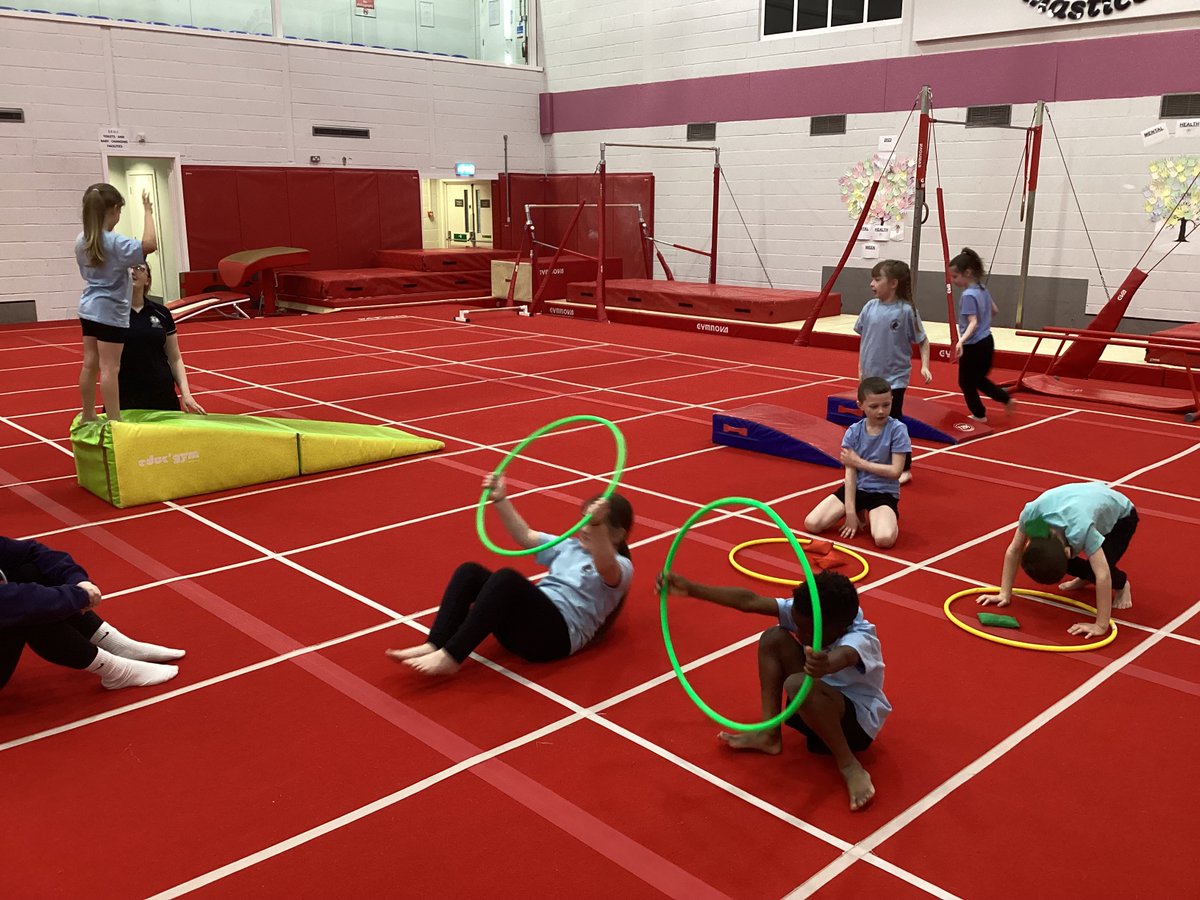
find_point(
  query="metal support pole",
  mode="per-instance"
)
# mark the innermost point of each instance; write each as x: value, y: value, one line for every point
x: 919, y: 204
x: 712, y: 262
x: 507, y: 187
x: 1035, y: 155
x: 601, y: 251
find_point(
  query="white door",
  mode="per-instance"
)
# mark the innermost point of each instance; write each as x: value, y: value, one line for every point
x: 460, y: 226
x: 482, y: 197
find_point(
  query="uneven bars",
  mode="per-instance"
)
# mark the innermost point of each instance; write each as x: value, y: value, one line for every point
x: 980, y: 124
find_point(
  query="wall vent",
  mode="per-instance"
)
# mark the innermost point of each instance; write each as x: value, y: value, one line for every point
x: 1180, y: 106
x: 12, y: 115
x: 989, y: 116
x: 819, y: 126
x: 702, y: 131
x: 341, y: 131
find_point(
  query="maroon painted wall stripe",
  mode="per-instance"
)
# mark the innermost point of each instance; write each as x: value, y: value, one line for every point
x: 1100, y: 68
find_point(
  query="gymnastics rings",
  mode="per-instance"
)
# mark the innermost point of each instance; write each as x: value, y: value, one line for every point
x: 1023, y: 645
x: 553, y: 542
x: 794, y: 705
x: 790, y: 582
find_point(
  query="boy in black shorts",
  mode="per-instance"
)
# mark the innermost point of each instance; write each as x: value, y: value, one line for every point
x: 846, y: 707
x: 873, y: 452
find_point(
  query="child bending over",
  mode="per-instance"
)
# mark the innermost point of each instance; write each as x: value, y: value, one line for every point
x: 588, y: 579
x: 873, y: 452
x: 1056, y: 530
x: 846, y: 707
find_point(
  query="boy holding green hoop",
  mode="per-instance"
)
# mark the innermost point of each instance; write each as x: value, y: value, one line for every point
x: 846, y: 706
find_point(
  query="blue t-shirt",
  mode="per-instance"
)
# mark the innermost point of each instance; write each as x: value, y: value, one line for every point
x: 888, y: 332
x: 1084, y: 513
x: 861, y: 683
x: 577, y: 590
x: 975, y: 301
x: 106, y: 295
x: 877, y: 448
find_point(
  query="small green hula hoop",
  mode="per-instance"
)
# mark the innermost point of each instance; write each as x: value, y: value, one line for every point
x: 612, y: 484
x: 791, y: 708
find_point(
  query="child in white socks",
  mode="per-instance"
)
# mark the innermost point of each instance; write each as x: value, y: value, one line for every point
x: 46, y: 601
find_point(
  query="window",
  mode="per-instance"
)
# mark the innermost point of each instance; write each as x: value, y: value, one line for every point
x: 790, y: 16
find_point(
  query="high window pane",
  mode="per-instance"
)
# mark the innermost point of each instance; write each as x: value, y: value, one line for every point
x: 777, y: 17
x: 812, y: 14
x: 880, y: 10
x: 847, y: 12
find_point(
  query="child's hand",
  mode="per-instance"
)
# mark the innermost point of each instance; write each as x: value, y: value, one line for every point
x: 816, y: 663
x: 93, y: 592
x: 496, y: 487
x: 998, y: 599
x: 850, y: 459
x: 677, y: 585
x: 850, y: 529
x: 958, y: 350
x: 598, y: 512
x: 1088, y: 629
x: 146, y: 204
x: 926, y: 374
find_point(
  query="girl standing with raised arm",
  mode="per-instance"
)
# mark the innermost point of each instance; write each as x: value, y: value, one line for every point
x: 104, y: 260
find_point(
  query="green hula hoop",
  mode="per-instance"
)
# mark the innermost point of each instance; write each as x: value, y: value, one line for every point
x: 791, y: 708
x: 612, y: 484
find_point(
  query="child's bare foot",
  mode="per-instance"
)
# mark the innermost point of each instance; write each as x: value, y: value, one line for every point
x: 439, y: 662
x: 1123, y: 599
x: 859, y: 785
x: 763, y: 742
x: 411, y: 652
x: 1074, y: 584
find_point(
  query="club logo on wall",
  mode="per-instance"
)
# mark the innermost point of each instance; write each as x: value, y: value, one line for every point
x: 1074, y: 10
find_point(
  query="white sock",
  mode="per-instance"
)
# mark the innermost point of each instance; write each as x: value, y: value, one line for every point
x: 116, y: 672
x: 108, y: 638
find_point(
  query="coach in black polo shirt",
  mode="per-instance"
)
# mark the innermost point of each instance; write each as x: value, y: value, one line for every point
x: 151, y: 364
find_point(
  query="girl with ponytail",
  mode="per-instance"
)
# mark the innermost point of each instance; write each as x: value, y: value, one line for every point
x: 104, y: 260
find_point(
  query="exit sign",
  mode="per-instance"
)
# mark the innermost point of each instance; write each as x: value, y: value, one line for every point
x: 464, y: 170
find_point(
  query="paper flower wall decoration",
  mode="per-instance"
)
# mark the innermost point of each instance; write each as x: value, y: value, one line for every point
x: 1169, y: 178
x: 897, y: 188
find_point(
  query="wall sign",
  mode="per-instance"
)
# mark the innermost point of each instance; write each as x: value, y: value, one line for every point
x: 936, y: 20
x: 1074, y: 10
x: 114, y: 138
x: 364, y: 8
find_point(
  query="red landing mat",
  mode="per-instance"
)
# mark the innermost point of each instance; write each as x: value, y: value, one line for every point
x: 1158, y: 399
x: 1184, y: 334
x: 466, y: 259
x: 725, y: 301
x: 351, y: 287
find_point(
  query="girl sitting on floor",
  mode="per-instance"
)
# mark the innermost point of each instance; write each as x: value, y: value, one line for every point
x: 588, y: 579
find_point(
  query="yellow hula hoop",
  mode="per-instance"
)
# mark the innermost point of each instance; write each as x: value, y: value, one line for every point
x: 1023, y: 645
x: 790, y: 582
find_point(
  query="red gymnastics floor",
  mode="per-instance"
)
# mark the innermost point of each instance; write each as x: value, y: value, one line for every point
x: 292, y: 758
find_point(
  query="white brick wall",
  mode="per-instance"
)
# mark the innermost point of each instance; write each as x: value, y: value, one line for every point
x: 785, y: 183
x: 221, y: 100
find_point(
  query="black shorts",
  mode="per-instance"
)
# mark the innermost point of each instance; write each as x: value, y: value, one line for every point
x: 110, y: 334
x: 856, y: 738
x: 865, y: 500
